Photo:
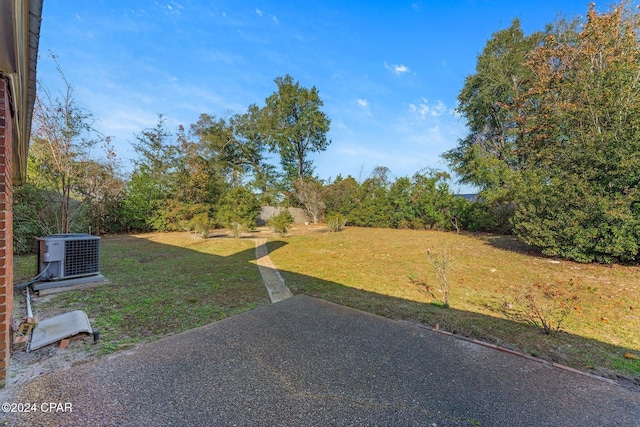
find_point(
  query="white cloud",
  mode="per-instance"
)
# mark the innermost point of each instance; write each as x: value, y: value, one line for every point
x: 406, y: 141
x: 273, y: 18
x: 397, y: 68
x: 359, y: 152
x: 423, y: 109
x: 172, y: 8
x: 364, y: 105
x: 139, y: 12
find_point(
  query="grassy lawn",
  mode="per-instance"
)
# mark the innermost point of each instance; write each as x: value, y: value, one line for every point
x: 167, y: 283
x: 370, y: 269
x: 160, y: 284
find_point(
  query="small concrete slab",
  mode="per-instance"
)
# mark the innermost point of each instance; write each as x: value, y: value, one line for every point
x: 278, y: 290
x: 58, y: 328
x: 53, y: 287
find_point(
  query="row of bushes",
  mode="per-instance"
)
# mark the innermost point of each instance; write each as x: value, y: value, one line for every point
x: 422, y: 202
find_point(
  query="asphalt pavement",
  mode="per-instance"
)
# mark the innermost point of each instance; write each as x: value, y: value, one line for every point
x: 307, y: 362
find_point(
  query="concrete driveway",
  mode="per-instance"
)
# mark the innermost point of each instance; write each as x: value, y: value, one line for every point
x: 306, y: 362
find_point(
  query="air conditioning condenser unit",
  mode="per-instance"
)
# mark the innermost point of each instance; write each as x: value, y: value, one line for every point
x: 69, y: 258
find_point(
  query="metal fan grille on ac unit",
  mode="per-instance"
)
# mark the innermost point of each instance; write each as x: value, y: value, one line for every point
x: 81, y: 257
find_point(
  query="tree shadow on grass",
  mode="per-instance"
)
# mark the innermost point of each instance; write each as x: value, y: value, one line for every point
x: 509, y: 243
x: 582, y: 353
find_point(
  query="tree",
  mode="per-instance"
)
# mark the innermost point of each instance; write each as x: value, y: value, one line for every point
x: 555, y: 135
x: 423, y: 202
x: 198, y: 177
x: 218, y: 145
x: 484, y: 157
x: 62, y: 135
x: 152, y: 182
x: 198, y: 183
x: 580, y: 125
x: 32, y: 216
x: 342, y: 196
x: 489, y: 157
x: 309, y: 193
x: 70, y: 188
x: 434, y: 205
x: 374, y: 207
x: 237, y: 148
x: 158, y: 157
x: 403, y: 214
x: 102, y: 191
x: 297, y: 126
x: 238, y: 210
x: 250, y: 130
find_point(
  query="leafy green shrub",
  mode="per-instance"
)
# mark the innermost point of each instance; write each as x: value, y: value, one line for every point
x: 343, y: 195
x: 281, y: 223
x: 238, y: 210
x: 201, y: 224
x: 336, y: 222
x: 570, y: 219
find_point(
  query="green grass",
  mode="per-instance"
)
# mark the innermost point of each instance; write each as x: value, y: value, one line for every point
x: 161, y: 284
x: 371, y: 270
x: 166, y: 283
x: 627, y: 366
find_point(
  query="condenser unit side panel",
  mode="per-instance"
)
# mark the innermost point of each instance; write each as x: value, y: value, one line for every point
x: 50, y: 257
x: 52, y: 250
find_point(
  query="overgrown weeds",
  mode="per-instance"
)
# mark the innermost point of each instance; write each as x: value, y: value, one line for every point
x: 441, y: 264
x: 336, y: 222
x: 281, y: 223
x: 545, y: 305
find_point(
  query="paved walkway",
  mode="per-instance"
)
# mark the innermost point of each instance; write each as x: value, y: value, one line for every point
x: 271, y: 277
x: 307, y: 362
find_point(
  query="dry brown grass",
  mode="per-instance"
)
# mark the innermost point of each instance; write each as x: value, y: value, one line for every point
x: 370, y: 269
x: 172, y: 282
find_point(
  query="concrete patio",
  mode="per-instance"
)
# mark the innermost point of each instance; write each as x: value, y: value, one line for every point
x: 308, y: 362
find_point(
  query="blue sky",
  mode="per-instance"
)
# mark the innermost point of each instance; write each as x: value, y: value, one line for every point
x: 389, y: 72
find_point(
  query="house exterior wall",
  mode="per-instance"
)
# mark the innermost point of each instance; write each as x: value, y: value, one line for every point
x: 6, y: 231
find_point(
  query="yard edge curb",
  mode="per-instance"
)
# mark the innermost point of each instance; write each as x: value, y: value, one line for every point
x: 511, y: 351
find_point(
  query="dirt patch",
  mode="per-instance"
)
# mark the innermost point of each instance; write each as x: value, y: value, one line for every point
x: 24, y: 367
x: 266, y: 232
